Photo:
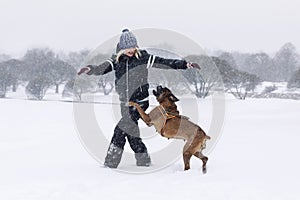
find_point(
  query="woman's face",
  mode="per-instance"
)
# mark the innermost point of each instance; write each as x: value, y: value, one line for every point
x: 130, y: 52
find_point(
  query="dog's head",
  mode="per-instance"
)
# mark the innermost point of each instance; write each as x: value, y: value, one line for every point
x: 163, y: 93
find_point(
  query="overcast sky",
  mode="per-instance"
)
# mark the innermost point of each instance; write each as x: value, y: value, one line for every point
x: 231, y: 25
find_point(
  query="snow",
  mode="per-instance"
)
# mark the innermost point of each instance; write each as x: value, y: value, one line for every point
x: 256, y: 157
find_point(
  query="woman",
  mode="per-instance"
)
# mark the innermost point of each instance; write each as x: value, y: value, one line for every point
x: 131, y: 71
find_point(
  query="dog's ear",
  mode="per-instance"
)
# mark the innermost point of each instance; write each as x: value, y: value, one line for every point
x: 173, y: 98
x: 154, y: 93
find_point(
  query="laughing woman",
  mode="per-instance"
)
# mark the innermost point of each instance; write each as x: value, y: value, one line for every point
x: 130, y: 66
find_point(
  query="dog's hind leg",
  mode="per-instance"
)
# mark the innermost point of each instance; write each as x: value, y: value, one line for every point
x: 186, y: 158
x: 187, y: 154
x: 204, y: 159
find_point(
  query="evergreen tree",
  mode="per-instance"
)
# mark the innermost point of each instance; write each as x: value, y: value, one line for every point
x: 294, y: 81
x: 285, y: 62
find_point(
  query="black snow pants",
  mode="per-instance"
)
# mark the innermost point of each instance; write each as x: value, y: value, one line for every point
x: 128, y: 128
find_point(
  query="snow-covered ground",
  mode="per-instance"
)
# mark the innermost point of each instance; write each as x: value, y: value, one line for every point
x: 256, y: 157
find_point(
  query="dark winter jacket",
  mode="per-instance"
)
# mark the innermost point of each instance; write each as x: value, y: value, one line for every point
x: 133, y: 86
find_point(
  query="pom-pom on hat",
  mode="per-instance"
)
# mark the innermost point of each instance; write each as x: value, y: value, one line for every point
x: 127, y: 40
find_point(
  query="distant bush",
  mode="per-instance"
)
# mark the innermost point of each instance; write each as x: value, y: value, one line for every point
x: 36, y: 88
x: 269, y: 89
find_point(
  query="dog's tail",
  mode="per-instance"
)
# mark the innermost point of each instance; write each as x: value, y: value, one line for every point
x: 207, y: 137
x: 203, y: 143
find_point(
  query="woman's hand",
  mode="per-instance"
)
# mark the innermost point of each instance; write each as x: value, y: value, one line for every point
x: 193, y: 65
x: 83, y: 70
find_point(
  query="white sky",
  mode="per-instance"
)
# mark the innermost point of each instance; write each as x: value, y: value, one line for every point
x: 247, y: 26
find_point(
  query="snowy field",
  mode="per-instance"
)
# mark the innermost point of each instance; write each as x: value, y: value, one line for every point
x: 256, y: 157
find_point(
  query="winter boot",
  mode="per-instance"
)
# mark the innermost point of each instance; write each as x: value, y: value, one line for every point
x: 113, y: 156
x: 143, y: 159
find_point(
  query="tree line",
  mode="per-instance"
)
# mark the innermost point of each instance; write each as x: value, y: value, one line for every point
x: 239, y: 73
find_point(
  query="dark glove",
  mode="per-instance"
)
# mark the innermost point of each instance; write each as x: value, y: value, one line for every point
x: 83, y: 70
x: 193, y: 65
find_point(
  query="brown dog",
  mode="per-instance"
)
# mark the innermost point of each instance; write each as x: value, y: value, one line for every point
x: 170, y: 124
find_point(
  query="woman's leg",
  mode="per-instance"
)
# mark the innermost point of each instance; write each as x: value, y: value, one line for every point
x: 116, y: 147
x: 133, y: 136
x: 125, y: 127
x: 141, y: 154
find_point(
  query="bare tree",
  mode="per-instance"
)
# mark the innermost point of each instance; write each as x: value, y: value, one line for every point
x: 106, y: 83
x: 60, y: 72
x: 205, y: 79
x: 241, y: 83
x: 9, y: 75
x: 36, y: 88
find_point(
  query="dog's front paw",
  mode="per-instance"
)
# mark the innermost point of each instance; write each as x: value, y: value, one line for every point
x: 130, y: 103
